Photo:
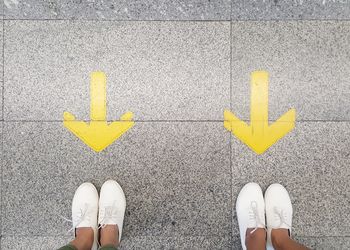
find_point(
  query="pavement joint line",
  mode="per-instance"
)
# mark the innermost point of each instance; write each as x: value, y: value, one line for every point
x: 170, y: 121
x: 231, y: 192
x: 174, y: 20
x: 231, y: 67
x: 290, y: 20
x: 2, y: 125
x: 230, y: 140
x: 119, y: 20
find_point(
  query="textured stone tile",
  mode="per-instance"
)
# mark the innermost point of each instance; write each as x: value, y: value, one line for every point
x: 35, y: 242
x: 158, y: 70
x: 288, y: 9
x: 209, y: 242
x: 325, y: 243
x: 199, y: 242
x: 119, y: 10
x: 312, y: 162
x: 333, y: 243
x: 307, y: 62
x: 1, y: 10
x: 146, y: 242
x: 176, y: 177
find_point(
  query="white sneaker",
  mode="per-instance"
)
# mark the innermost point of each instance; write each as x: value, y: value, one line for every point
x: 250, y: 209
x: 279, y: 210
x: 112, y: 205
x: 85, y: 209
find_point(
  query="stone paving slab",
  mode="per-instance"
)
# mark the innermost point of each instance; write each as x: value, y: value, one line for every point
x: 291, y: 9
x: 326, y: 243
x: 197, y: 243
x: 176, y: 177
x: 1, y: 9
x: 318, y: 243
x: 158, y: 70
x: 179, y: 10
x: 119, y: 10
x: 308, y: 63
x: 312, y: 162
x: 33, y: 242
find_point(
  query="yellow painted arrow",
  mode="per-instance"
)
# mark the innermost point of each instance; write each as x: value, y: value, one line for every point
x: 98, y: 134
x: 259, y: 135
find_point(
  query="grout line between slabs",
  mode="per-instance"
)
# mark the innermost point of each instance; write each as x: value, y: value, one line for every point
x: 2, y: 131
x: 231, y: 191
x: 121, y: 20
x: 170, y: 121
x: 177, y: 20
x: 231, y: 59
x: 230, y: 140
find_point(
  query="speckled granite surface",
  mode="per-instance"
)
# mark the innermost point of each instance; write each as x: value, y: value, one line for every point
x: 158, y: 70
x: 302, y: 58
x: 178, y: 10
x: 119, y: 10
x: 177, y: 66
x: 290, y: 9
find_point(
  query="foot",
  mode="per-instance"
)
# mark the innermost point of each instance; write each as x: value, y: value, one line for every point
x: 279, y: 213
x: 84, y: 238
x: 109, y: 235
x: 255, y: 239
x: 250, y: 212
x: 84, y: 216
x: 279, y: 236
x: 111, y: 214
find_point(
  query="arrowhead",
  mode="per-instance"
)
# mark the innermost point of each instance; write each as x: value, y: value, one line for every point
x: 98, y: 134
x: 260, y: 142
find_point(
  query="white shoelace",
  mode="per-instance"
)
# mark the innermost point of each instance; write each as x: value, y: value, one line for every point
x: 281, y: 216
x: 83, y: 215
x: 108, y: 214
x: 254, y: 215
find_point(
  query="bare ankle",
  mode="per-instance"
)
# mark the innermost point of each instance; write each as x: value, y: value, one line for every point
x: 279, y: 237
x: 255, y: 238
x: 109, y: 235
x: 84, y: 238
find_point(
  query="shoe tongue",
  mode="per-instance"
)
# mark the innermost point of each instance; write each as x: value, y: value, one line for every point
x: 284, y: 226
x: 109, y: 221
x: 257, y: 221
x: 84, y: 223
x: 254, y: 225
x: 109, y: 215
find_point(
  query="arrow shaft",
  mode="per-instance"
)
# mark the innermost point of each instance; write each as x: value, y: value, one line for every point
x: 259, y: 101
x: 98, y: 111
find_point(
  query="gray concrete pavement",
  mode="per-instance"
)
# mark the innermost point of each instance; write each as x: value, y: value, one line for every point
x: 177, y: 66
